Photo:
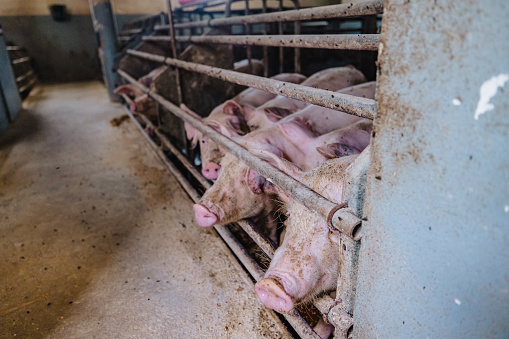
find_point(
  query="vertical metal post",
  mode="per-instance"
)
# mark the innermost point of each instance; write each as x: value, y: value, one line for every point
x: 104, y: 27
x: 248, y: 32
x: 174, y: 51
x: 281, y: 50
x: 296, y: 27
x: 265, y: 48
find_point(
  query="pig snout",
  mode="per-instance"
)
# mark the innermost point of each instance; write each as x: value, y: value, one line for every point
x: 272, y: 294
x: 211, y: 171
x: 204, y: 216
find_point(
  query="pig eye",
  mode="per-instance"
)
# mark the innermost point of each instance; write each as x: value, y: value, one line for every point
x: 203, y: 141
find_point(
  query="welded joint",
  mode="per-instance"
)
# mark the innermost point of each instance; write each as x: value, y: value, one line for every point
x: 341, y: 320
x: 344, y: 220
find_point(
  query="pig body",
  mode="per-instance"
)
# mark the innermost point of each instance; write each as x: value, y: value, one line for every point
x: 332, y: 79
x: 240, y: 192
x: 306, y: 263
x: 228, y: 118
x: 322, y: 120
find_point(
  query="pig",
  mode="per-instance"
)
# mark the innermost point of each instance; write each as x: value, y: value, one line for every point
x: 306, y: 264
x: 332, y: 79
x: 240, y: 192
x: 142, y: 103
x: 322, y: 120
x: 228, y: 118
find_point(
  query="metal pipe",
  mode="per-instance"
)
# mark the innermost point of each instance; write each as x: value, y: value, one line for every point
x: 249, y: 53
x: 24, y: 76
x: 29, y: 85
x: 131, y: 31
x: 174, y: 51
x: 296, y: 28
x: 361, y: 107
x: 315, y: 13
x: 293, y: 317
x: 281, y: 50
x: 265, y: 48
x: 312, y: 200
x: 14, y: 48
x: 20, y: 60
x: 359, y: 42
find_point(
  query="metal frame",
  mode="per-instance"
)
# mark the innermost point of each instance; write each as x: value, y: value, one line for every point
x: 341, y: 217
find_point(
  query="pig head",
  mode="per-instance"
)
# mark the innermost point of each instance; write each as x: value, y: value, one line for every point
x: 306, y: 264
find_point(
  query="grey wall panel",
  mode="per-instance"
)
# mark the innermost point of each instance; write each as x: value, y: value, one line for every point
x: 62, y: 51
x: 434, y: 260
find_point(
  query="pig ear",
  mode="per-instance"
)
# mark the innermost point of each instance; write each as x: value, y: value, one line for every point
x: 233, y: 108
x: 277, y: 113
x: 254, y: 181
x: 191, y: 132
x: 337, y: 150
x: 126, y: 89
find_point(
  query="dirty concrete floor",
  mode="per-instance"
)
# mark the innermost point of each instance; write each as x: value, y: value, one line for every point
x: 98, y: 239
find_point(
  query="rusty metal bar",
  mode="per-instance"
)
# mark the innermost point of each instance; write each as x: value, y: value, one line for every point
x: 130, y: 31
x: 340, y: 218
x: 316, y: 13
x: 359, y: 42
x: 265, y: 48
x: 174, y: 51
x: 20, y: 60
x: 29, y: 85
x: 293, y: 317
x: 361, y: 107
x: 24, y: 76
x: 296, y: 28
x: 249, y: 53
x: 281, y: 50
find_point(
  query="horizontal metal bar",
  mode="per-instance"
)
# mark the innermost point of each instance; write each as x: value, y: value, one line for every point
x: 14, y: 48
x: 361, y: 107
x: 124, y: 38
x: 293, y: 317
x: 20, y: 60
x: 325, y: 208
x: 24, y: 76
x: 315, y: 13
x: 29, y: 85
x: 130, y: 31
x: 359, y: 42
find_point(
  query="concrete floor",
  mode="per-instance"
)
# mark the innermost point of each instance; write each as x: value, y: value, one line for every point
x: 98, y: 240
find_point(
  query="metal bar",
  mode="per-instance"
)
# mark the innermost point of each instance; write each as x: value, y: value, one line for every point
x: 296, y: 27
x: 249, y: 53
x: 265, y: 48
x: 316, y: 13
x: 14, y: 48
x: 281, y: 50
x: 29, y: 85
x: 361, y: 107
x: 174, y: 51
x: 330, y: 211
x: 293, y: 317
x: 24, y: 76
x: 20, y: 60
x: 131, y: 31
x: 359, y: 42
